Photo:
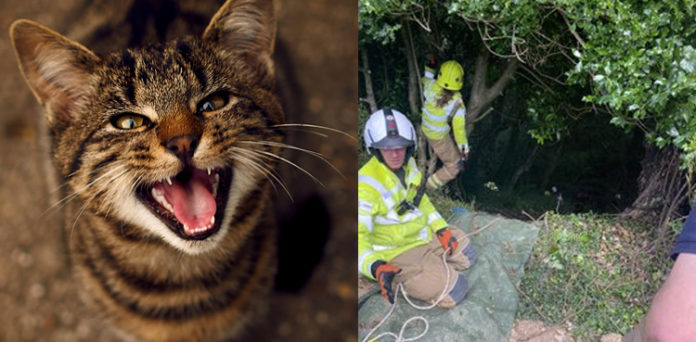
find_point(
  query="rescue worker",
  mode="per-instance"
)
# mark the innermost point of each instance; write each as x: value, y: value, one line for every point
x: 672, y: 313
x: 442, y: 103
x: 402, y: 240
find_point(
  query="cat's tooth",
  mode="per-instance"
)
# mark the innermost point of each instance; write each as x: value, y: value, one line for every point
x: 167, y: 206
x: 158, y: 195
x: 208, y: 171
x: 169, y: 181
x: 186, y: 228
x: 212, y: 220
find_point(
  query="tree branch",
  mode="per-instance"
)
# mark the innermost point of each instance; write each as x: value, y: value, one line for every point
x: 572, y: 30
x: 413, y: 81
x: 481, y: 96
x: 500, y: 84
x: 367, y: 76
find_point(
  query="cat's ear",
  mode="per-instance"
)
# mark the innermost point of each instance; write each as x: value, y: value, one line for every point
x: 246, y: 29
x: 56, y: 68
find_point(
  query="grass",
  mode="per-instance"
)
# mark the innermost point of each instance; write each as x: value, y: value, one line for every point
x: 594, y: 271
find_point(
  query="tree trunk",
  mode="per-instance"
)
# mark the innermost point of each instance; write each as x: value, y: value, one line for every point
x: 413, y: 81
x: 482, y: 96
x: 662, y: 188
x: 522, y: 169
x: 367, y: 76
x: 414, y: 99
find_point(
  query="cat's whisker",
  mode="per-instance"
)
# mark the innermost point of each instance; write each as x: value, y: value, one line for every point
x: 77, y: 192
x: 103, y: 189
x: 67, y: 184
x: 58, y: 188
x: 310, y: 152
x: 82, y: 210
x: 81, y: 190
x: 112, y: 191
x: 318, y: 127
x: 251, y: 159
x: 265, y: 173
x: 275, y: 156
x: 299, y: 129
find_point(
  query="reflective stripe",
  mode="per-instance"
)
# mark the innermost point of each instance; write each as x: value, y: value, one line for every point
x: 393, y: 218
x: 386, y: 220
x: 386, y: 195
x: 424, y: 234
x: 434, y: 117
x: 450, y: 105
x: 364, y: 206
x: 434, y: 216
x: 429, y: 74
x: 434, y: 182
x: 380, y: 248
x: 367, y: 221
x: 460, y: 112
x: 375, y: 184
x: 439, y: 129
x: 362, y: 258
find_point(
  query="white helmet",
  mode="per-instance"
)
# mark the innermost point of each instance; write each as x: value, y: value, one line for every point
x: 388, y: 128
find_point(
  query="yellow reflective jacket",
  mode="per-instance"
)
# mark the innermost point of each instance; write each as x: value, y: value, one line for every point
x: 382, y: 232
x: 435, y: 118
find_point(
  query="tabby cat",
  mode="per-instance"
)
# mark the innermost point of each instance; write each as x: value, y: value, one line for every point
x: 168, y: 152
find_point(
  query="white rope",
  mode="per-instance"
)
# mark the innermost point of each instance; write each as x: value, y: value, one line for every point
x: 400, y: 288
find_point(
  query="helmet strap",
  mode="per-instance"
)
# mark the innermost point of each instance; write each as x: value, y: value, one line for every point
x: 390, y: 122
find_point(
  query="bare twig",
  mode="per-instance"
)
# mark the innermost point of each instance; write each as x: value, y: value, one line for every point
x: 481, y: 116
x: 572, y: 30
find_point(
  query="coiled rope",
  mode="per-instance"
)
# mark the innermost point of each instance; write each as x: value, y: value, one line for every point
x: 400, y: 289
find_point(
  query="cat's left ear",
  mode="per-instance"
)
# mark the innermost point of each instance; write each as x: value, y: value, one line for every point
x: 246, y: 29
x: 56, y: 68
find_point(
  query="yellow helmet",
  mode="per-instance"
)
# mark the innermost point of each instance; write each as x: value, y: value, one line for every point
x: 451, y: 75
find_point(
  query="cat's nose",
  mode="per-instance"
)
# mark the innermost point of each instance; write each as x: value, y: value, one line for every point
x: 183, y: 146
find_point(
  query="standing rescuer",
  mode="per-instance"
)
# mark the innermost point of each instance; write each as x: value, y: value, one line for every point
x: 442, y: 103
x: 405, y: 246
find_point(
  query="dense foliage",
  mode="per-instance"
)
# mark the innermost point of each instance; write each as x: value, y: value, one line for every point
x: 634, y: 59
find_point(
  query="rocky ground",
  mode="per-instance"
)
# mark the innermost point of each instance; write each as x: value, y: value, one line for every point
x: 537, y: 331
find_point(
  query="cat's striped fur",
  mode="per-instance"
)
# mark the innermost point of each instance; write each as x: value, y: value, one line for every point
x: 197, y: 114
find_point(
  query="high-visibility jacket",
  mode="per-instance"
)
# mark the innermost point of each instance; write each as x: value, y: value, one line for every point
x: 435, y: 118
x: 382, y: 232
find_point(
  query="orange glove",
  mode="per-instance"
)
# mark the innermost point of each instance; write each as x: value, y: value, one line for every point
x: 384, y: 273
x: 447, y: 240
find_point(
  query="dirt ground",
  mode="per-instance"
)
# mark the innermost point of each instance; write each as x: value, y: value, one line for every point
x: 537, y: 331
x: 37, y: 295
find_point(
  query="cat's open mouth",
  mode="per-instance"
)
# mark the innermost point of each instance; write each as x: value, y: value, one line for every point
x: 192, y: 203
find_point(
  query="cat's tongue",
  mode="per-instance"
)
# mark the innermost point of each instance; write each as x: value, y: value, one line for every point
x: 193, y: 202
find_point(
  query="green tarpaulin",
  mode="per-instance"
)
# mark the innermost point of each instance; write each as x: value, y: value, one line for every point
x: 488, y: 312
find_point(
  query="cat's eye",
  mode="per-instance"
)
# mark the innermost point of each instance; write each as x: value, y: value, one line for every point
x: 129, y: 121
x: 213, y: 102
